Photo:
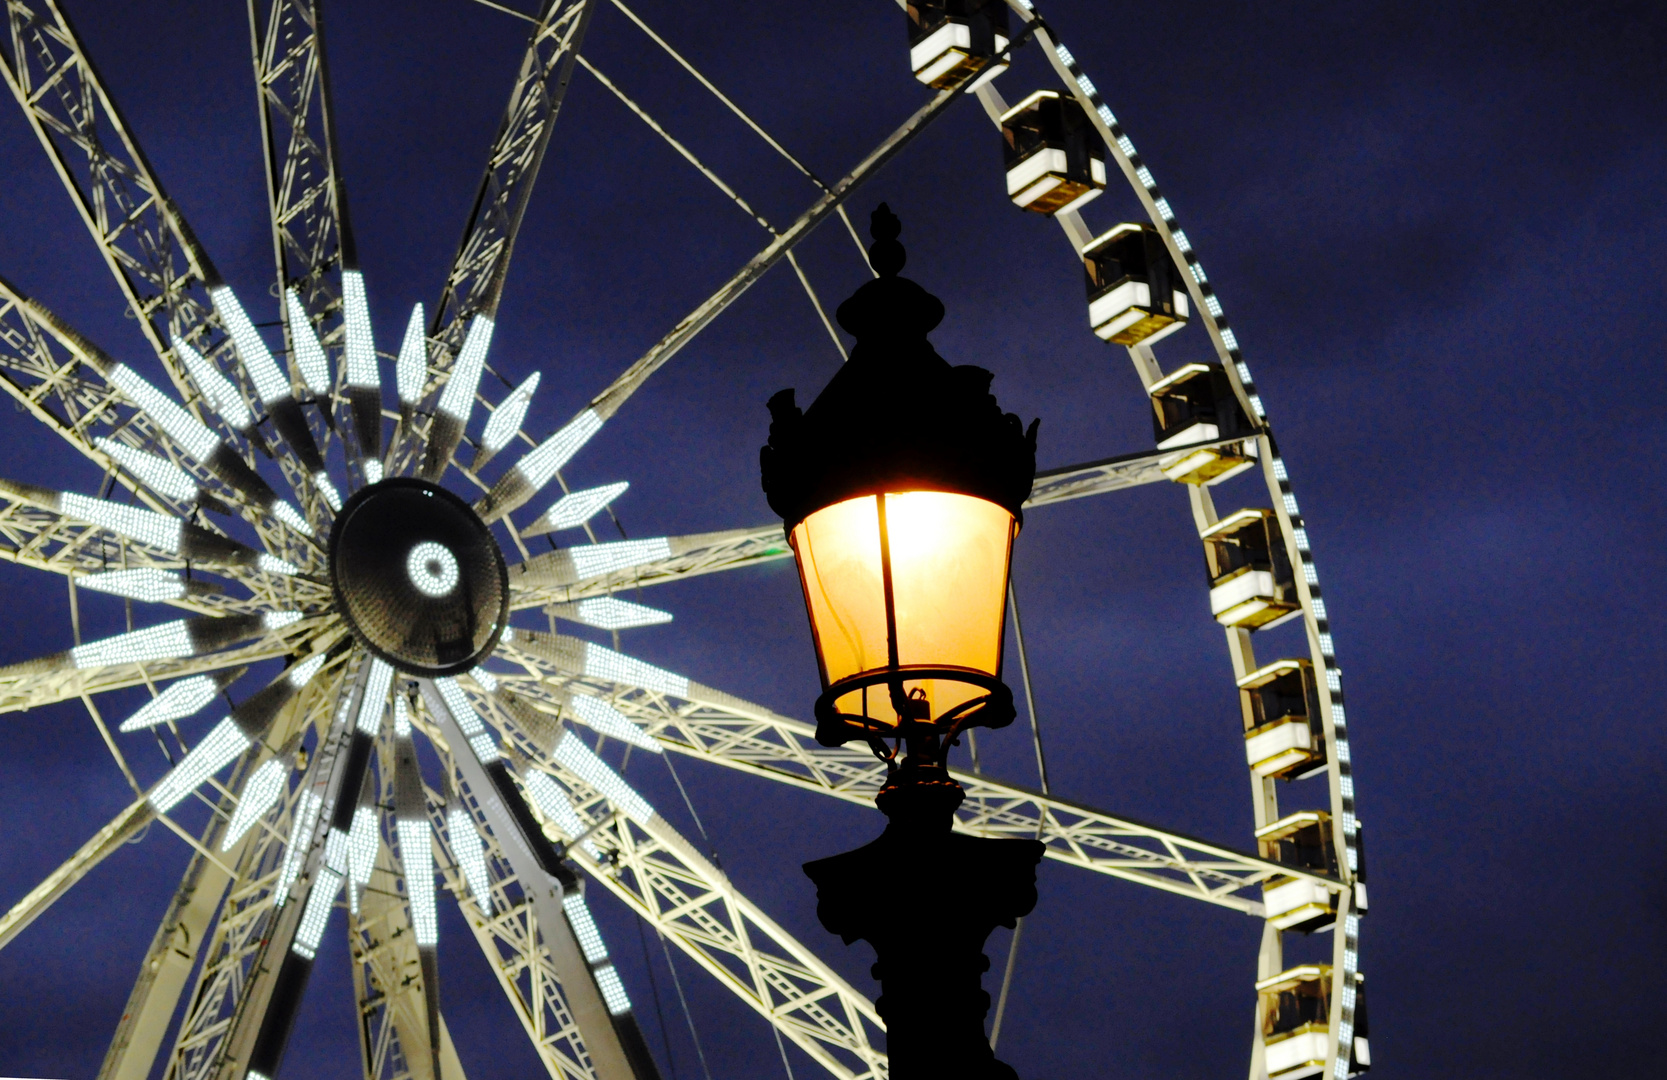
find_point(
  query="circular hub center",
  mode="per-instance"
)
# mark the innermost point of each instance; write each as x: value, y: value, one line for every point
x: 418, y: 577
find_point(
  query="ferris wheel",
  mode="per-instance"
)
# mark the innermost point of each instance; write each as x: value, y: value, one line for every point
x: 349, y: 514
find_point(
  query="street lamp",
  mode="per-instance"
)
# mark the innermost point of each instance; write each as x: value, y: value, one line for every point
x: 901, y: 489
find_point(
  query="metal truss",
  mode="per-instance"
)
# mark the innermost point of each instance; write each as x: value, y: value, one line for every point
x: 1110, y: 474
x: 45, y: 540
x: 173, y: 950
x: 74, y: 400
x: 508, y: 935
x: 665, y: 880
x: 476, y: 279
x: 388, y: 978
x: 708, y: 724
x: 151, y: 251
x: 121, y: 830
x: 302, y: 186
x: 550, y: 578
x: 234, y: 985
x: 27, y: 689
x: 48, y: 540
x: 58, y: 376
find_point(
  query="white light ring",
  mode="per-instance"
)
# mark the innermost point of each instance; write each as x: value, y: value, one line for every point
x: 432, y: 568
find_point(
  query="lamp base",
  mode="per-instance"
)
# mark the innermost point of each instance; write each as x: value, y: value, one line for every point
x: 927, y: 898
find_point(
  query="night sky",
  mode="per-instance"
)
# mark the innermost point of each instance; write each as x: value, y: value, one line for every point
x: 1438, y: 232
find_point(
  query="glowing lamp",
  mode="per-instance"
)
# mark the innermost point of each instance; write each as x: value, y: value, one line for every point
x: 901, y: 489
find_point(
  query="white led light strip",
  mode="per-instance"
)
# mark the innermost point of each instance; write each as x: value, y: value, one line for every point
x: 159, y: 474
x: 604, y: 663
x: 539, y: 465
x: 554, y: 804
x: 507, y: 417
x: 259, y: 796
x: 309, y: 354
x: 607, y: 613
x: 417, y: 854
x: 613, y: 990
x: 584, y: 928
x: 208, y: 757
x: 163, y: 642
x: 466, y: 846
x: 360, y: 366
x: 480, y: 740
x: 604, y: 719
x: 594, y: 560
x: 574, y: 509
x: 190, y: 433
x: 146, y: 584
x: 316, y: 915
x: 274, y: 565
x: 182, y: 699
x: 411, y: 370
x: 269, y: 382
x: 290, y: 516
x: 376, y: 698
x: 295, y: 852
x: 457, y: 400
x: 219, y: 391
x: 364, y: 839
x: 584, y: 764
x: 159, y: 531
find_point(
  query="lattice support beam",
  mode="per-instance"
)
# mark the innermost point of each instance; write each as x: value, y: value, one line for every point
x: 662, y: 877
x: 29, y: 690
x: 550, y: 578
x: 150, y: 249
x: 717, y: 727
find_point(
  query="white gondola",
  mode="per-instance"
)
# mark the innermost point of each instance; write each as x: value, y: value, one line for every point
x: 1303, y: 841
x: 1134, y: 292
x: 1054, y: 157
x: 1196, y: 404
x: 1251, y: 585
x: 949, y: 38
x: 1282, y: 733
x: 1296, y: 1014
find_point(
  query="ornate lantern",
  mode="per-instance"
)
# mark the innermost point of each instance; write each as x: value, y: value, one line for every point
x: 901, y: 489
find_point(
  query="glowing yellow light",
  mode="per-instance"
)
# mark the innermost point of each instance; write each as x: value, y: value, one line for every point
x: 948, y: 558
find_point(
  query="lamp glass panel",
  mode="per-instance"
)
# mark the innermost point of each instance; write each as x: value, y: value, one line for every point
x: 949, y: 563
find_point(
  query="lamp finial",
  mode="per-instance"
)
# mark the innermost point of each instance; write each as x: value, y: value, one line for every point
x: 885, y: 254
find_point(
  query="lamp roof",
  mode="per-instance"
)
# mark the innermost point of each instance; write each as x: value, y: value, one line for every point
x: 897, y: 416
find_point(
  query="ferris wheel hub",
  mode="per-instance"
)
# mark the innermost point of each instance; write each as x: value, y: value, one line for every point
x: 418, y: 577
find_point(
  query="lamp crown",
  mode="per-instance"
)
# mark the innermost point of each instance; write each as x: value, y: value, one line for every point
x: 889, y: 306
x: 897, y: 416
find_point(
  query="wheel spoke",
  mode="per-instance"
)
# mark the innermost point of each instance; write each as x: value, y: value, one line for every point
x: 55, y: 677
x: 119, y: 831
x: 152, y: 252
x: 237, y: 942
x: 476, y: 279
x: 392, y: 981
x: 536, y: 469
x: 717, y: 727
x: 484, y: 788
x: 665, y: 880
x: 109, y: 413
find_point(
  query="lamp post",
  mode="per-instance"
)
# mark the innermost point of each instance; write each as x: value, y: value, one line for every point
x: 901, y: 489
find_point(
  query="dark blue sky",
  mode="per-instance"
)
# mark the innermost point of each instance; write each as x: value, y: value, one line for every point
x: 1438, y: 230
